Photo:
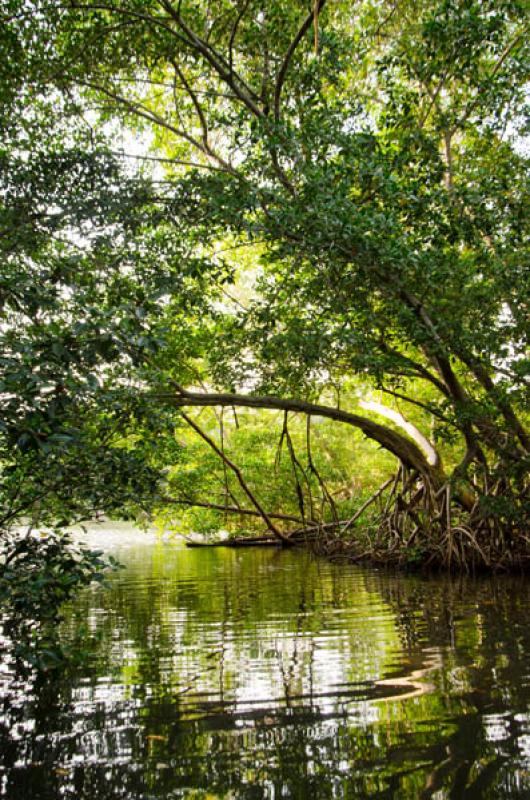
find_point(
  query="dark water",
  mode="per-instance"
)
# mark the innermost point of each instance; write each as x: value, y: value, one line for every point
x: 267, y: 674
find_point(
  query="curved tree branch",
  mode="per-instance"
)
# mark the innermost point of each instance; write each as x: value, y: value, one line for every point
x: 423, y: 443
x: 403, y: 448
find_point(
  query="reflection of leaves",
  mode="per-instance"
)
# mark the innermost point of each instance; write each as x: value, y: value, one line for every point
x: 330, y: 624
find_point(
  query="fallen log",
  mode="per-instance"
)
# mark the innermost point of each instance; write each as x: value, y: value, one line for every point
x: 255, y: 541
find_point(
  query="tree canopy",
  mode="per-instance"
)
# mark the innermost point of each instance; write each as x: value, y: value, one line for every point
x: 316, y: 209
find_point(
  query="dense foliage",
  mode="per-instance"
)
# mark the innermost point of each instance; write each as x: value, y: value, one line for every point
x: 331, y: 215
x: 86, y: 257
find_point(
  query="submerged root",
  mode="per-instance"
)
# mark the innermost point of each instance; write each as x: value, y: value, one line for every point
x: 422, y: 525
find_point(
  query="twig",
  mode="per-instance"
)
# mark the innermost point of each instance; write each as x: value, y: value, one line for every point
x: 294, y: 464
x: 368, y: 503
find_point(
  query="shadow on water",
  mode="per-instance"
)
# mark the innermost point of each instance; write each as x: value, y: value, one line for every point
x: 268, y: 674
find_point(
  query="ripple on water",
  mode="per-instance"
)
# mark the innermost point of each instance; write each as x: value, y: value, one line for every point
x: 273, y: 674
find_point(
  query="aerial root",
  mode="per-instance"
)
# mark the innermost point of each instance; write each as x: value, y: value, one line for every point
x: 419, y: 523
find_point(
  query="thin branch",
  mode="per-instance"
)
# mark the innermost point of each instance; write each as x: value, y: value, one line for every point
x: 152, y: 20
x: 194, y: 100
x: 217, y: 61
x: 418, y: 369
x: 386, y: 19
x: 282, y: 73
x: 233, y: 33
x: 448, y: 148
x: 237, y: 472
x: 500, y: 61
x: 433, y: 96
x: 418, y: 403
x: 265, y: 78
x: 151, y: 116
x: 368, y: 503
x: 295, y: 464
x: 236, y: 510
x: 160, y: 160
x: 165, y: 85
x: 225, y: 468
x: 324, y: 489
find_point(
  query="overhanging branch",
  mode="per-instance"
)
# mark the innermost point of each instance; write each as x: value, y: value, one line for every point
x: 403, y: 448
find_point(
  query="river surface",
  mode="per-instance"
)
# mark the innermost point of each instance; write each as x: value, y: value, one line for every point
x: 261, y: 673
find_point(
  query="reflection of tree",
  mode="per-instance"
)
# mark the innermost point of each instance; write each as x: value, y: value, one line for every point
x: 30, y: 710
x: 260, y: 673
x: 482, y: 629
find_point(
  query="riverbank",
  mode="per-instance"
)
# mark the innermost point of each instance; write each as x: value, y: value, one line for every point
x: 411, y: 557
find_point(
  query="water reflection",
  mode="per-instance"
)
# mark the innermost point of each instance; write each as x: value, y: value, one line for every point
x: 268, y: 674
